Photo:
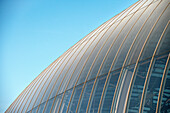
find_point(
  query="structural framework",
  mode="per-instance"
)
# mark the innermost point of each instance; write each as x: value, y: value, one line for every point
x: 122, y: 66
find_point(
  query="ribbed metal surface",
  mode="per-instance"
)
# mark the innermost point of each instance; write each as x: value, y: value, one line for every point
x: 122, y: 66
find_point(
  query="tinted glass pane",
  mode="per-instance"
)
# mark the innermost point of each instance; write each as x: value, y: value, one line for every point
x: 165, y: 104
x: 100, y: 58
x: 49, y: 105
x: 62, y: 68
x: 141, y: 37
x: 154, y: 85
x: 156, y: 34
x: 34, y: 110
x: 75, y: 99
x: 40, y: 110
x: 92, y: 56
x: 65, y: 102
x: 109, y: 92
x: 137, y: 87
x: 164, y: 46
x: 97, y: 94
x: 123, y: 88
x: 56, y: 103
x: 130, y: 10
x: 85, y: 97
x: 80, y: 65
x: 113, y: 47
x: 70, y: 70
x: 124, y: 46
x: 131, y: 36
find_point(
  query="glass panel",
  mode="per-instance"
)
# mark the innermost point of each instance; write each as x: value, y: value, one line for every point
x: 109, y: 92
x: 164, y: 45
x: 137, y: 87
x: 34, y: 110
x: 65, y: 102
x: 92, y: 57
x: 75, y: 99
x: 46, y: 89
x: 123, y: 88
x: 63, y: 76
x: 79, y: 67
x: 56, y: 82
x: 131, y: 9
x: 49, y: 105
x: 94, y: 104
x: 54, y: 75
x: 37, y: 91
x: 154, y: 85
x: 129, y: 34
x: 113, y: 50
x: 103, y: 52
x: 134, y: 53
x: 156, y: 34
x: 43, y: 88
x: 41, y: 108
x: 56, y: 104
x: 147, y: 3
x: 72, y: 67
x: 85, y: 96
x: 165, y: 104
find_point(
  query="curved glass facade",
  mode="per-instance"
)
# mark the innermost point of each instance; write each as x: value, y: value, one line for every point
x: 121, y: 67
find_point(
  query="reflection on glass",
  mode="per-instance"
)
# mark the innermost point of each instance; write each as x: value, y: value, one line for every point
x: 123, y: 88
x: 109, y: 92
x: 154, y: 85
x: 57, y: 103
x: 34, y: 110
x: 40, y: 110
x: 137, y: 87
x: 49, y: 105
x: 75, y: 99
x: 85, y: 96
x: 66, y: 99
x: 165, y: 104
x: 97, y: 94
x: 164, y: 45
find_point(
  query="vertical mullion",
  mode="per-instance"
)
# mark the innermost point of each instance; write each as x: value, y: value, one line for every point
x: 104, y: 60
x: 80, y: 73
x: 70, y: 77
x: 53, y: 100
x: 48, y: 86
x: 129, y: 53
x: 163, y: 81
x: 149, y: 70
x: 52, y: 78
x: 118, y: 52
x: 95, y: 60
x: 136, y: 65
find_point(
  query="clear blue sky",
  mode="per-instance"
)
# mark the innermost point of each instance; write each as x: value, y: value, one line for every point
x: 33, y: 33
